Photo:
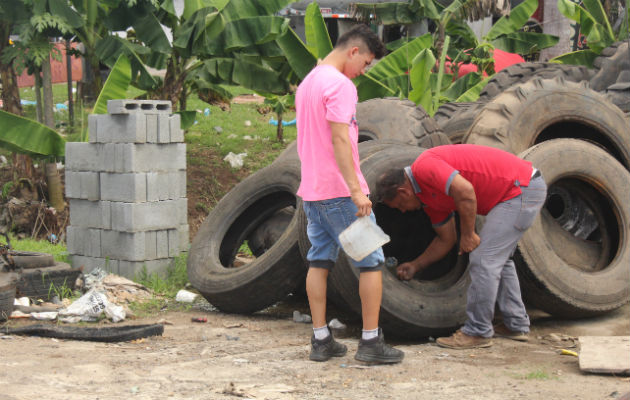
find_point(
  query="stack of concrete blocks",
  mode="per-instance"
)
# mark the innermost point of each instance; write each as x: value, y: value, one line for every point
x: 127, y: 190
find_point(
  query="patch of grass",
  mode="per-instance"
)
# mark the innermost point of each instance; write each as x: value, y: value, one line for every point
x: 58, y: 250
x: 539, y: 374
x: 244, y: 249
x: 156, y: 305
x: 175, y: 280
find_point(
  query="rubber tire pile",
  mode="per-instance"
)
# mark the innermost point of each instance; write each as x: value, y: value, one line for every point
x: 571, y: 122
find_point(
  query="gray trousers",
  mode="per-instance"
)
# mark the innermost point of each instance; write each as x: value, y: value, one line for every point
x: 492, y: 271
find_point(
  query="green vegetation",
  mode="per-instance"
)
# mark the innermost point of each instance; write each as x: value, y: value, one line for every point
x: 41, y: 246
x: 539, y: 374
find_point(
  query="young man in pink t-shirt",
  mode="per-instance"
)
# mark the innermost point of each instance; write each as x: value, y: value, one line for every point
x: 335, y: 192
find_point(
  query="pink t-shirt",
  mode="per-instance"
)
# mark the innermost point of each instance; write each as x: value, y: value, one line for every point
x: 325, y: 95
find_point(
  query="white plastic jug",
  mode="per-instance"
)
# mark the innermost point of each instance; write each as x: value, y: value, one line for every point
x: 362, y: 237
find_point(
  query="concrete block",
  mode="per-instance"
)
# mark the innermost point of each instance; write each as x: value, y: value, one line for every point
x: 130, y: 269
x: 182, y: 210
x: 162, y: 244
x: 72, y: 184
x: 164, y: 128
x: 90, y: 186
x: 149, y: 157
x: 127, y: 187
x: 90, y: 214
x: 183, y: 232
x: 92, y: 132
x: 177, y: 134
x: 90, y: 263
x: 135, y: 217
x: 83, y: 241
x: 152, y: 128
x: 182, y: 183
x: 81, y: 156
x: 121, y: 128
x: 177, y: 241
x: 129, y: 246
x: 157, y: 186
x: 126, y: 106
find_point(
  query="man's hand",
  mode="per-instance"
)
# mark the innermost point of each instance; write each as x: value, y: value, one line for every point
x: 468, y: 243
x: 363, y: 204
x: 406, y: 271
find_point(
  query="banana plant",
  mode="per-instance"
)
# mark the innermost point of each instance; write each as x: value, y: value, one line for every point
x: 25, y: 136
x: 417, y: 69
x: 595, y: 26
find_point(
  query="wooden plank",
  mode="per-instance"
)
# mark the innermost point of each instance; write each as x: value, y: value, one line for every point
x: 605, y: 354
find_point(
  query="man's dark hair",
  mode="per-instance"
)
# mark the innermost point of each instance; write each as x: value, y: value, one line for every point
x: 364, y: 34
x: 388, y: 183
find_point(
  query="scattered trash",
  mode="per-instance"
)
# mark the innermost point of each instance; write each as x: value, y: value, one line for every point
x: 89, y: 307
x: 228, y: 337
x: 218, y: 129
x: 134, y: 389
x: 3, y: 160
x: 299, y: 317
x: 232, y: 136
x: 164, y: 322
x: 184, y: 296
x: 272, y: 121
x: 206, y: 112
x: 565, y: 352
x: 52, y: 238
x: 199, y: 319
x: 45, y: 316
x: 560, y: 340
x: 121, y: 333
x: 336, y: 324
x: 16, y: 314
x: 248, y: 123
x: 22, y: 301
x: 235, y: 160
x: 247, y: 137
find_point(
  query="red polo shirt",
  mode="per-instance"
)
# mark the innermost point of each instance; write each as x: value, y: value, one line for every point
x: 496, y: 176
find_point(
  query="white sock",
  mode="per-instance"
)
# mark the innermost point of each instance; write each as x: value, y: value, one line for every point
x: 369, y: 334
x: 321, y: 333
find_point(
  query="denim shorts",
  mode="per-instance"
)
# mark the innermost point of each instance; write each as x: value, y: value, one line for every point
x: 326, y: 220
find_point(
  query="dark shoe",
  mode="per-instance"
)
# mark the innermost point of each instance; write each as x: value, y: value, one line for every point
x: 322, y: 350
x: 502, y: 331
x: 376, y: 351
x: 460, y: 340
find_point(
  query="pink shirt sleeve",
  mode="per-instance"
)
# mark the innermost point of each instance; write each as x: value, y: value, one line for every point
x: 340, y: 100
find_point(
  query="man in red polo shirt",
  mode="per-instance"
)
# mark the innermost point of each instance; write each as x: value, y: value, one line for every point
x: 470, y: 180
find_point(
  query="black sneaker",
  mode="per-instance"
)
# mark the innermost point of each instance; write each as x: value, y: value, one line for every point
x: 376, y: 351
x: 322, y: 350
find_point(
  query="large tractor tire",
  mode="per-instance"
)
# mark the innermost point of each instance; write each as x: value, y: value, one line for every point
x: 7, y: 294
x: 394, y: 119
x: 272, y: 275
x: 609, y: 65
x: 456, y: 118
x: 434, y: 301
x: 522, y: 72
x: 573, y: 273
x: 545, y: 109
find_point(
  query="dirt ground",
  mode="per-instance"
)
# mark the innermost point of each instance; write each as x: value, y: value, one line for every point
x: 265, y: 356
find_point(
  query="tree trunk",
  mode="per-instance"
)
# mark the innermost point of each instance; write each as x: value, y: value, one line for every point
x: 22, y: 164
x: 279, y: 132
x: 38, y: 97
x: 53, y: 179
x: 69, y: 75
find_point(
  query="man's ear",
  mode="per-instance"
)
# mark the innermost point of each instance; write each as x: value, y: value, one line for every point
x: 403, y: 191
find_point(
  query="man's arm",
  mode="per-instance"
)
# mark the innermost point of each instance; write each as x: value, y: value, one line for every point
x: 343, y: 156
x: 437, y: 249
x: 463, y: 193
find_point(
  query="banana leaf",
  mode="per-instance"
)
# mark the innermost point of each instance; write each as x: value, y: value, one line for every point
x: 299, y: 58
x: 462, y: 85
x: 400, y: 61
x: 237, y: 9
x: 25, y: 136
x: 524, y: 42
x: 580, y: 57
x: 519, y: 15
x: 419, y: 75
x: 110, y: 48
x: 472, y: 94
x: 598, y: 34
x: 242, y: 73
x: 246, y: 32
x: 396, y: 12
x: 317, y: 39
x: 370, y: 88
x: 115, y: 86
x: 187, y: 118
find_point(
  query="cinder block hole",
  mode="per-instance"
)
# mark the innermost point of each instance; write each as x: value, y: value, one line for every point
x: 162, y: 107
x: 131, y: 106
x: 147, y: 106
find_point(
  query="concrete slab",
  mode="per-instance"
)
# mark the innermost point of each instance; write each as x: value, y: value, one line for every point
x: 605, y: 354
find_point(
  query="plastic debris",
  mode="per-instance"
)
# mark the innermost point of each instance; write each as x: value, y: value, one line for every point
x: 184, y: 296
x: 235, y: 160
x: 218, y: 129
x: 199, y: 319
x: 336, y: 324
x: 89, y: 307
x: 206, y: 112
x: 22, y: 301
x: 565, y: 352
x: 3, y: 159
x: 273, y: 121
x: 299, y: 317
x: 248, y: 123
x: 45, y: 316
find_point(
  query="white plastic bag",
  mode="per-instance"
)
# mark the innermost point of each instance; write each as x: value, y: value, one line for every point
x: 89, y: 307
x: 235, y: 160
x: 362, y: 237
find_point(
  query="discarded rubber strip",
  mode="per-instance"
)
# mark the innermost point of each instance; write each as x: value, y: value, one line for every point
x: 105, y: 334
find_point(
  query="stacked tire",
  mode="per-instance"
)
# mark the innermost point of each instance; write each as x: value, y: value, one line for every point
x: 573, y: 262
